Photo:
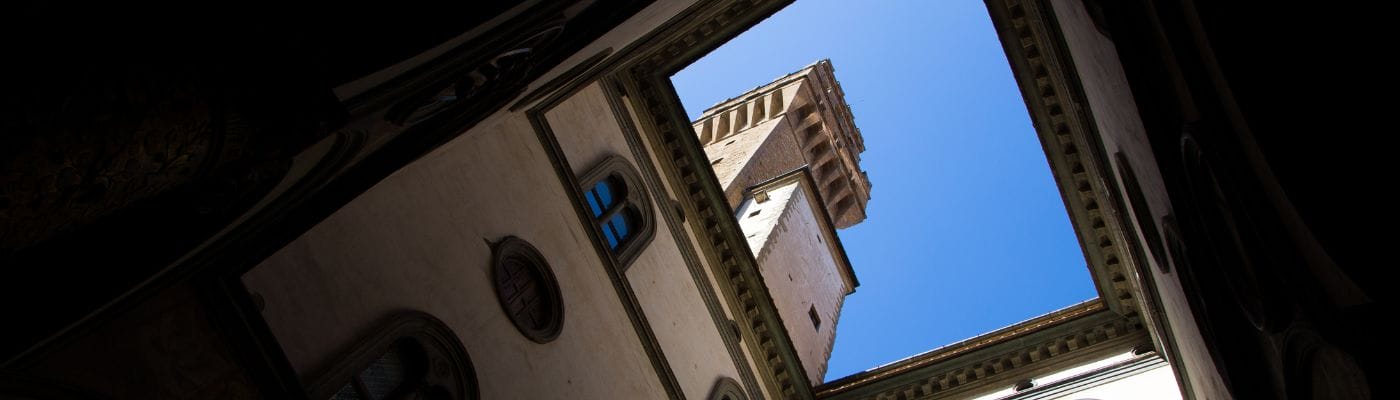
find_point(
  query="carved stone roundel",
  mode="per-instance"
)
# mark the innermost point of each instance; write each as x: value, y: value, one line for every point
x: 527, y: 290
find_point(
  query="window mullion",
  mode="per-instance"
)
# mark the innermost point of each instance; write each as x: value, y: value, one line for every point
x: 607, y: 215
x: 598, y: 200
x: 622, y: 233
x: 620, y: 240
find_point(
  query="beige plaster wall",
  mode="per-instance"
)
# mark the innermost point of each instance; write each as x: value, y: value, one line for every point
x: 796, y: 257
x: 588, y: 131
x: 693, y: 240
x: 1115, y: 113
x: 417, y: 241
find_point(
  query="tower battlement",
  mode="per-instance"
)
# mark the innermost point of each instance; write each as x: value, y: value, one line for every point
x: 798, y: 119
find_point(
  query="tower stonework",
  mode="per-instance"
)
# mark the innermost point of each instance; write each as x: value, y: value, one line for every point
x: 788, y: 157
x: 799, y: 119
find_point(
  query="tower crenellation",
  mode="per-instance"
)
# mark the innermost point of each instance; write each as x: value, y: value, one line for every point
x: 800, y: 119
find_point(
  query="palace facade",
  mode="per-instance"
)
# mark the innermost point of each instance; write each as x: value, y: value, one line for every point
x: 506, y: 200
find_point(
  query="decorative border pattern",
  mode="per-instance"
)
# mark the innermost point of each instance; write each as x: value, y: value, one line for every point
x: 1054, y: 96
x: 1049, y: 85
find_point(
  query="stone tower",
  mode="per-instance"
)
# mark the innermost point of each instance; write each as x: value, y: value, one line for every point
x: 799, y: 119
x: 788, y: 157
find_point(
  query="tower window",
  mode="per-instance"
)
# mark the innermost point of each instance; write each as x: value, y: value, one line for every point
x: 816, y: 319
x: 619, y: 207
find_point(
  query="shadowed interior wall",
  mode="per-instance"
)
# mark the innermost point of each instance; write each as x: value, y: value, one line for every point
x: 418, y: 240
x: 1115, y: 115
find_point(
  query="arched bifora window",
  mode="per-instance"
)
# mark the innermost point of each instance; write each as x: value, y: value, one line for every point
x: 727, y: 389
x: 621, y: 212
x: 412, y: 356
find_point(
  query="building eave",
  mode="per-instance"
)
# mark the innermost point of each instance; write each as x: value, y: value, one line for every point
x: 1076, y: 333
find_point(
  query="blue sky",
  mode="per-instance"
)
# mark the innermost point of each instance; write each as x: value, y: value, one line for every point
x: 966, y: 232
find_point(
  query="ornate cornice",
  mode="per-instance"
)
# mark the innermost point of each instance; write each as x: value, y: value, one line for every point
x: 1055, y: 100
x: 721, y: 238
x: 1073, y: 334
x: 664, y: 122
